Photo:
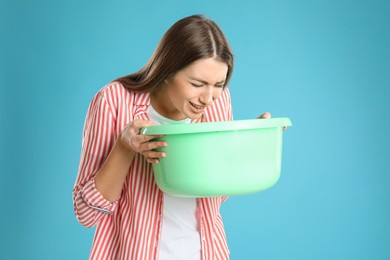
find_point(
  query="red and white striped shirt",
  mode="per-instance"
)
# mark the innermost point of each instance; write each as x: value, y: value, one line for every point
x: 130, y: 227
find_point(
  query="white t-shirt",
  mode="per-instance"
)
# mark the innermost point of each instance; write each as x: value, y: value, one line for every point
x: 180, y: 238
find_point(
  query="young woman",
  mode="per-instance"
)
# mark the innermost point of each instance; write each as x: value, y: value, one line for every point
x: 185, y: 81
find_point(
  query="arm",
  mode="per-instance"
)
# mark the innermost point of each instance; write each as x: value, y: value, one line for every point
x: 105, y: 161
x: 229, y: 116
x: 98, y: 139
x: 111, y: 176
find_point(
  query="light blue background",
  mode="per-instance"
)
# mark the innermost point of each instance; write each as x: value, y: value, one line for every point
x: 324, y: 64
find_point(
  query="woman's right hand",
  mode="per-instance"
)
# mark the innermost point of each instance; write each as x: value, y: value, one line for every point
x: 133, y: 140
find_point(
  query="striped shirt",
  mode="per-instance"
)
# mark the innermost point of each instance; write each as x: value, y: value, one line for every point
x: 130, y: 228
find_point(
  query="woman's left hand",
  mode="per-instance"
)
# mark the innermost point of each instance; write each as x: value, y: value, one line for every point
x: 267, y: 115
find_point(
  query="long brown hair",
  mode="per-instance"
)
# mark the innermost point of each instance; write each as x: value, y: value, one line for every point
x: 189, y: 39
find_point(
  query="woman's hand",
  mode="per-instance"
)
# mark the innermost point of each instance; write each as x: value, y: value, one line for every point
x: 133, y: 140
x: 267, y: 115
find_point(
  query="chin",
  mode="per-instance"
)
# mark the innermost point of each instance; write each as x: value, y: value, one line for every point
x: 192, y: 116
x: 196, y: 116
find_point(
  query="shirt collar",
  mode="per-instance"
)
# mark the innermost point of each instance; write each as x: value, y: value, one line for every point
x: 143, y: 100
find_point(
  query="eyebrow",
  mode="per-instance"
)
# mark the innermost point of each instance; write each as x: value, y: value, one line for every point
x: 205, y: 82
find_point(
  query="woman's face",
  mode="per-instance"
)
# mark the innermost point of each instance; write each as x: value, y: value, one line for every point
x: 192, y: 89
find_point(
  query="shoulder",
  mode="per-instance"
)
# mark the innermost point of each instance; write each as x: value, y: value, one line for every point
x: 113, y: 91
x: 111, y: 98
x: 225, y: 96
x: 119, y: 101
x: 115, y: 95
x: 220, y: 110
x: 223, y: 102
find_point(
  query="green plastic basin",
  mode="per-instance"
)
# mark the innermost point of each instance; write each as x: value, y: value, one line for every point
x: 219, y: 158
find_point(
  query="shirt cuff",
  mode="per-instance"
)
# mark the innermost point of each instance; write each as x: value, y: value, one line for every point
x: 94, y: 199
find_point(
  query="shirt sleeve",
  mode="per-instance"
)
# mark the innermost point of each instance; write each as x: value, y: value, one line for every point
x: 228, y: 107
x: 229, y: 116
x: 98, y: 139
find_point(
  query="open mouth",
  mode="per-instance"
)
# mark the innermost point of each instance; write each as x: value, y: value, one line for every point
x: 196, y: 106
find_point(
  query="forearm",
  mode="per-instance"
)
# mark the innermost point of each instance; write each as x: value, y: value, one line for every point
x: 110, y: 178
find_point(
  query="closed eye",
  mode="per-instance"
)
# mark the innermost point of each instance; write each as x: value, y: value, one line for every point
x: 196, y: 85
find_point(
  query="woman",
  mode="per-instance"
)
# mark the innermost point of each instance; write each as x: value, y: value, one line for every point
x: 185, y: 81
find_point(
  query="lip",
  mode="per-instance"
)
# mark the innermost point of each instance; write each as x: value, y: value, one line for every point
x: 197, y: 110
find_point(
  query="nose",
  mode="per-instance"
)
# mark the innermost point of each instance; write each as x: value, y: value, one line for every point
x: 206, y: 98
